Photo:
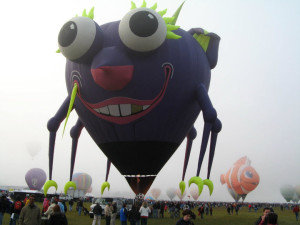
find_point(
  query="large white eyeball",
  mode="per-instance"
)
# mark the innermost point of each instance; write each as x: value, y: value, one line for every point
x: 76, y: 37
x: 142, y: 30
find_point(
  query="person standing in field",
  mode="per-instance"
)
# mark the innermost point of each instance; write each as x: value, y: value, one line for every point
x: 30, y: 214
x: 296, y: 211
x: 108, y: 213
x: 145, y: 211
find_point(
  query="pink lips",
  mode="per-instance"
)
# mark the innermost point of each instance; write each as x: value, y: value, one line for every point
x: 112, y: 78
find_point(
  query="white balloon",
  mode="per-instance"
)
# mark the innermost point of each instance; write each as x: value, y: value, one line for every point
x: 179, y: 195
x: 171, y: 192
x: 155, y: 193
x: 33, y: 148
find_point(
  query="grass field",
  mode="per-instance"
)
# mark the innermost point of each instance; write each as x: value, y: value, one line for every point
x: 219, y: 217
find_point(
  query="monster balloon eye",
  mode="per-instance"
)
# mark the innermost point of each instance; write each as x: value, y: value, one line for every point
x: 143, y: 29
x: 79, y: 39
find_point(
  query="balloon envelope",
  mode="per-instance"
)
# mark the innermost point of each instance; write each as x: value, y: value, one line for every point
x: 287, y: 192
x: 155, y: 193
x: 171, y: 193
x: 242, y: 178
x: 295, y: 198
x: 179, y: 195
x: 35, y: 178
x: 33, y: 148
x: 194, y: 191
x: 233, y: 194
x: 83, y: 181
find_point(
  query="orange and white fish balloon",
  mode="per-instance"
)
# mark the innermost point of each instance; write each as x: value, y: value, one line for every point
x: 242, y: 178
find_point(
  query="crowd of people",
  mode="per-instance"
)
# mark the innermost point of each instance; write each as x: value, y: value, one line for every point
x: 53, y: 211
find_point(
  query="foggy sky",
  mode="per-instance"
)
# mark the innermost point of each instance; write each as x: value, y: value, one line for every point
x: 254, y: 88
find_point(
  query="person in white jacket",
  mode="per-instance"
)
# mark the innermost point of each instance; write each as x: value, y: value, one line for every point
x: 50, y: 211
x: 144, y: 211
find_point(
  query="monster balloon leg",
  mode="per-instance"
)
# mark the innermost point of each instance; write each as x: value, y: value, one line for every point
x: 106, y: 184
x: 190, y: 138
x: 75, y: 133
x: 211, y: 124
x: 53, y: 125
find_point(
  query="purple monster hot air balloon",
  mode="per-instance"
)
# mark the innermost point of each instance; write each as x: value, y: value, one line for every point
x: 35, y: 178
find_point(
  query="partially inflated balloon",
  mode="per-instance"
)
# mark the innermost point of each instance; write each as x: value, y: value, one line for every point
x: 35, y: 178
x: 287, y: 191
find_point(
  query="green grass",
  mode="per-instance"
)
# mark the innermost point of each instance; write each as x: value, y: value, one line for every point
x: 219, y: 217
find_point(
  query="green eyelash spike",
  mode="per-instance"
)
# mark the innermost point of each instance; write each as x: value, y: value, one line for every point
x: 154, y: 6
x: 169, y: 21
x: 133, y: 6
x: 144, y: 5
x: 162, y: 13
x: 90, y: 15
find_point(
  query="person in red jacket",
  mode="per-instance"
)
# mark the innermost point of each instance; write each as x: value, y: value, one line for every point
x: 296, y: 211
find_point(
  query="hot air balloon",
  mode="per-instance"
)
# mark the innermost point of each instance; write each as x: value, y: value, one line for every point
x: 35, y: 178
x: 235, y: 196
x: 33, y: 148
x: 171, y: 193
x: 241, y: 179
x: 89, y: 190
x: 194, y: 191
x: 287, y: 191
x: 83, y: 181
x: 179, y: 194
x: 155, y: 192
x: 138, y: 86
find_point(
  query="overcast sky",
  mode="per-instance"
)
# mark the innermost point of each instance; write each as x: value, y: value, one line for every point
x: 254, y: 88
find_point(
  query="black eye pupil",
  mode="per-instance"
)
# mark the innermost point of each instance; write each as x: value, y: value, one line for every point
x: 143, y: 24
x: 67, y: 34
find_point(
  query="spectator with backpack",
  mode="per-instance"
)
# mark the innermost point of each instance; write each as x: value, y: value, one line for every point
x: 16, y: 210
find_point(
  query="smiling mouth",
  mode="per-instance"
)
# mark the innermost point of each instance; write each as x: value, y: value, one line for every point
x: 122, y: 110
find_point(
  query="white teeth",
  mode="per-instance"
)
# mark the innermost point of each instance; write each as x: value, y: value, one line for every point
x: 104, y: 110
x: 121, y: 110
x: 145, y: 107
x: 125, y: 109
x: 114, y: 110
